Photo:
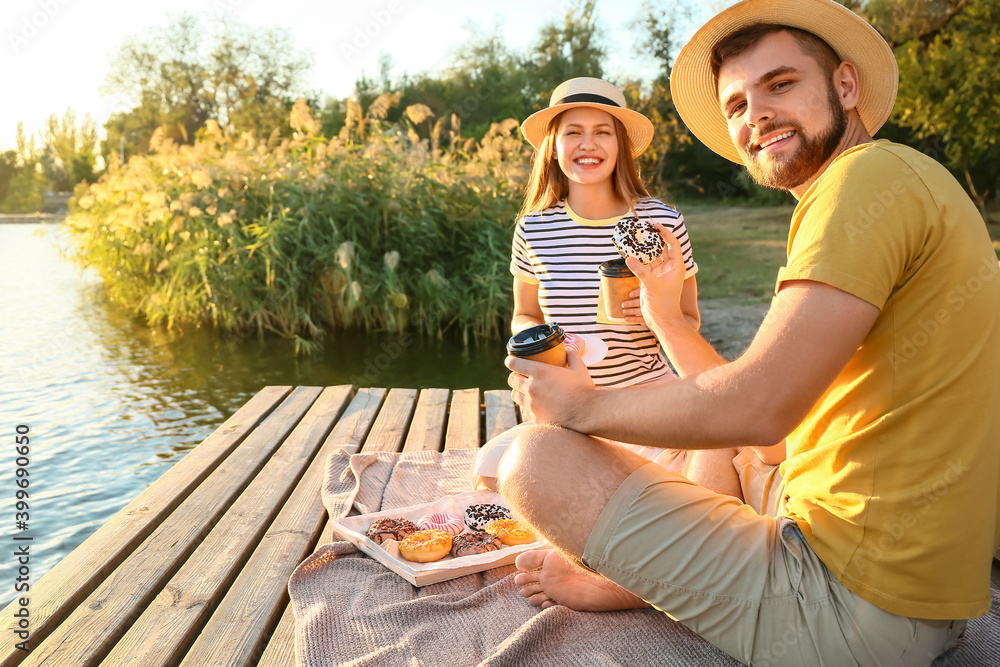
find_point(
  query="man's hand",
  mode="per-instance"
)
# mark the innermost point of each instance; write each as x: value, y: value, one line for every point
x: 550, y: 393
x: 659, y: 299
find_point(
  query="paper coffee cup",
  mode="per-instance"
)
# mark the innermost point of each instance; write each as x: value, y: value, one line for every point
x: 617, y: 281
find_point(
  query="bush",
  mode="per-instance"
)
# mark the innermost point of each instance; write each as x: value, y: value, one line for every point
x: 371, y: 229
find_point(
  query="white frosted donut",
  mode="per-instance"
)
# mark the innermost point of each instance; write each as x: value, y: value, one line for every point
x: 637, y: 238
x: 477, y: 516
x: 449, y: 523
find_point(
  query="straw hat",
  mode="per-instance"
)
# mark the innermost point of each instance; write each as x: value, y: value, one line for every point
x: 693, y: 86
x: 587, y: 91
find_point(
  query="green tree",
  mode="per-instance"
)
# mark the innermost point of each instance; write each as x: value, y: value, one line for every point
x: 68, y: 153
x: 27, y: 184
x: 676, y: 164
x: 182, y: 75
x: 661, y: 167
x: 486, y: 81
x: 949, y: 88
x: 568, y: 47
x: 255, y: 77
x: 489, y: 82
x: 8, y: 167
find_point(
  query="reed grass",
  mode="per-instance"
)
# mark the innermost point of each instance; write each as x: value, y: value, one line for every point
x: 374, y: 229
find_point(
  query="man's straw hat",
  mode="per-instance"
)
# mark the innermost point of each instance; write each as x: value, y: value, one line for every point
x: 587, y: 91
x: 693, y: 86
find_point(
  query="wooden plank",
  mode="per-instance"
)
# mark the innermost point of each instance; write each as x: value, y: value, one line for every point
x: 390, y: 426
x: 427, y: 428
x: 354, y: 425
x: 169, y: 625
x: 101, y: 619
x: 64, y: 587
x: 280, y: 650
x: 463, y: 420
x: 250, y: 610
x: 351, y: 429
x: 500, y: 413
x: 327, y: 536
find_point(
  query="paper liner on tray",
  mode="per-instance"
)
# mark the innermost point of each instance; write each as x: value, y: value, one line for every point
x: 353, y: 530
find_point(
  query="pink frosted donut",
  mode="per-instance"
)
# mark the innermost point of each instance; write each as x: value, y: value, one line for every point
x: 449, y: 523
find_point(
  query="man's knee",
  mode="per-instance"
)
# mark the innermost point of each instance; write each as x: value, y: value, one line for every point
x: 532, y: 454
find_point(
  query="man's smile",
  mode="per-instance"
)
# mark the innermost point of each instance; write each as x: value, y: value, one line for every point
x: 775, y: 139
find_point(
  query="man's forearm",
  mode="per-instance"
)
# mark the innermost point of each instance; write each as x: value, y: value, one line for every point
x: 667, y: 418
x: 704, y: 411
x: 688, y: 352
x: 807, y: 338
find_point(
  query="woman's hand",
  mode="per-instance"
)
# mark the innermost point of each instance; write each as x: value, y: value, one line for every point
x: 658, y: 300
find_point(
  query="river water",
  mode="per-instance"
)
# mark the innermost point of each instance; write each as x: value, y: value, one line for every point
x: 110, y: 404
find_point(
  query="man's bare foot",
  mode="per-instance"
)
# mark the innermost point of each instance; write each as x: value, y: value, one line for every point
x: 548, y: 578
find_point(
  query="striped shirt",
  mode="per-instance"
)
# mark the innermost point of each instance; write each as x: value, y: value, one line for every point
x: 561, y: 252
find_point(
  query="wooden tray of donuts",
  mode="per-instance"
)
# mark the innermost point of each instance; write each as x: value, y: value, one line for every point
x: 353, y: 529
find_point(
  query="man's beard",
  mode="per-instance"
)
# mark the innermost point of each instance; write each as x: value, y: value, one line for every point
x: 786, y: 173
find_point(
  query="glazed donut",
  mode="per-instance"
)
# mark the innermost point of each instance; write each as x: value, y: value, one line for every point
x: 477, y: 516
x: 637, y: 238
x: 425, y: 546
x: 477, y: 542
x: 449, y: 523
x: 390, y: 529
x: 511, y: 531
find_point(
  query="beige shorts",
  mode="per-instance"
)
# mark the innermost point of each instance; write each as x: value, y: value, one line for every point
x: 747, y: 582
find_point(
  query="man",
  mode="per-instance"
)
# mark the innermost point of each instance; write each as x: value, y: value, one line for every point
x: 879, y: 360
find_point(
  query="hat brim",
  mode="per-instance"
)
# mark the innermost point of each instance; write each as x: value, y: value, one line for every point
x: 638, y: 128
x: 693, y: 86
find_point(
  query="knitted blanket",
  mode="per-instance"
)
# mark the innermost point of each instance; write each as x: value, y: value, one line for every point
x: 350, y: 610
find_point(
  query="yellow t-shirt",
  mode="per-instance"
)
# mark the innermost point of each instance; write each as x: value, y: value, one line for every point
x: 894, y: 476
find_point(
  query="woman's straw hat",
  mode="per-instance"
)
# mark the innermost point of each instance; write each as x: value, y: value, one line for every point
x: 693, y: 85
x: 587, y: 91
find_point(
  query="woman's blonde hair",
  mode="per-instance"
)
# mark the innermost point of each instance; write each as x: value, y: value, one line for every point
x: 547, y: 184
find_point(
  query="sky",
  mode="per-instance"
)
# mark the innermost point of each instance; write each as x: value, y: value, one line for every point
x: 55, y: 54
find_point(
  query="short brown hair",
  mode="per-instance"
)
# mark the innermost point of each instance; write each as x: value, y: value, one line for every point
x: 742, y: 40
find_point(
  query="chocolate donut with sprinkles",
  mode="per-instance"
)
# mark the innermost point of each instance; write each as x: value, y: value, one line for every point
x: 477, y: 516
x: 637, y: 238
x: 387, y: 529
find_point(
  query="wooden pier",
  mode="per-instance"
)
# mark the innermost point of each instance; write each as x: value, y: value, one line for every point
x: 194, y: 570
